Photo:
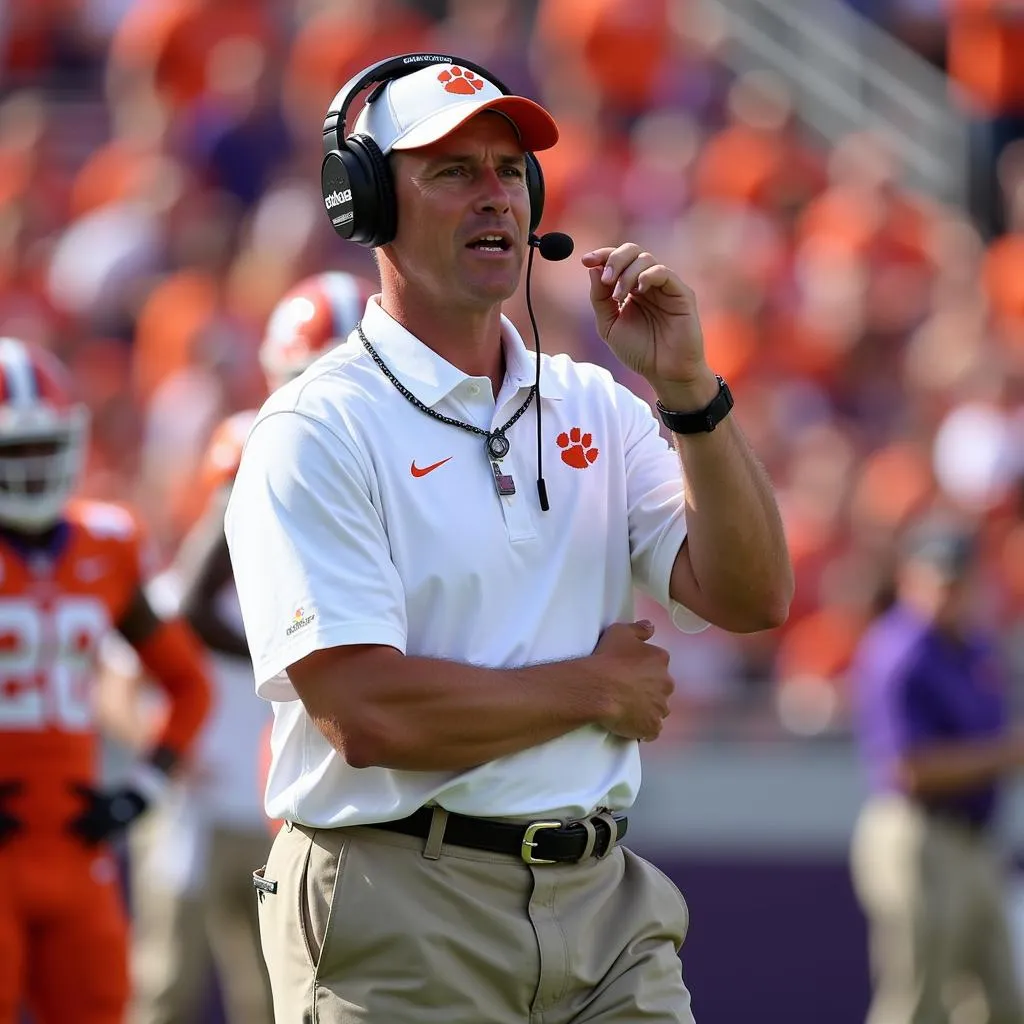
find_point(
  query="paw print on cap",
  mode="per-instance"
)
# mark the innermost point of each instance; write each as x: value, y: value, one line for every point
x: 576, y: 449
x: 464, y: 83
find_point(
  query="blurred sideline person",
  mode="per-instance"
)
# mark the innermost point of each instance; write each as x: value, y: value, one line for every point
x: 192, y: 864
x: 935, y: 736
x: 70, y: 573
x: 446, y: 632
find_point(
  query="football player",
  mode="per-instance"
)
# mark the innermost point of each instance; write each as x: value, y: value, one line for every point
x: 70, y: 572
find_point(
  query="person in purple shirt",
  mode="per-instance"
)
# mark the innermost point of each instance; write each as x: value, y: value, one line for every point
x: 934, y: 732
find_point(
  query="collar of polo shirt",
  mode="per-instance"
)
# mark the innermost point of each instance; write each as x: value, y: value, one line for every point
x: 430, y: 377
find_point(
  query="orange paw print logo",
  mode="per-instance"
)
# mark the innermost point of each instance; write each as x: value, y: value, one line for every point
x: 576, y: 448
x: 464, y: 83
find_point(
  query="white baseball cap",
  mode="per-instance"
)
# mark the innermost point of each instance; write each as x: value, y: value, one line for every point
x: 420, y: 108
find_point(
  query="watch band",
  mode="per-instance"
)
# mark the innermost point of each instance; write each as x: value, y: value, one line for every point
x: 703, y: 420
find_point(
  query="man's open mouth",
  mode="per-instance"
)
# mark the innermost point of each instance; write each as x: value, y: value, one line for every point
x: 491, y: 242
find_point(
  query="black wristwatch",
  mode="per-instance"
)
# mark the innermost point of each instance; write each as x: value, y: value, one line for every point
x: 703, y: 420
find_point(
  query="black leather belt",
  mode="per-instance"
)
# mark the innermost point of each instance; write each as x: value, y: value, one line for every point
x: 539, y: 842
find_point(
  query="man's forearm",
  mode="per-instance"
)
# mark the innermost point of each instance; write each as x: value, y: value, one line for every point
x: 737, y: 547
x: 423, y: 714
x: 734, y: 569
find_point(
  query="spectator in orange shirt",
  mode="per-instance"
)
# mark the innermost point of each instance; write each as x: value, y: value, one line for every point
x: 619, y: 51
x: 164, y: 46
x: 757, y: 159
x: 1003, y: 265
x: 866, y: 218
x: 339, y: 40
x: 986, y: 44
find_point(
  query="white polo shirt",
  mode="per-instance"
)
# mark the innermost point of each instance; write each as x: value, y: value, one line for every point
x: 356, y: 518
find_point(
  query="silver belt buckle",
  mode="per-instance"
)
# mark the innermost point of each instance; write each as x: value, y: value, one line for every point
x: 529, y: 844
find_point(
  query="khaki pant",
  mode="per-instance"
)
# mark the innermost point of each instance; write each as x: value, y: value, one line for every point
x: 365, y: 928
x: 933, y: 895
x: 176, y: 933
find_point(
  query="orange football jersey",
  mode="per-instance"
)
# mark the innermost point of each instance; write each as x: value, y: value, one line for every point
x: 54, y: 613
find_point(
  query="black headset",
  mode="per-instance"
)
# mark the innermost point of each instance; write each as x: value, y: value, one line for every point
x: 358, y: 187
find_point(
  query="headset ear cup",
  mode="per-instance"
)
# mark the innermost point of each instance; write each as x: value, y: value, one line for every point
x: 342, y: 185
x: 358, y: 192
x: 535, y: 190
x: 381, y: 221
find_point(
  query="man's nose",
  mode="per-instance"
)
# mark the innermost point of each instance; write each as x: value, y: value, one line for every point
x: 493, y: 193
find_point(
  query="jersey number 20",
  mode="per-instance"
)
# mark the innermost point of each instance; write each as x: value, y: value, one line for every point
x: 47, y: 662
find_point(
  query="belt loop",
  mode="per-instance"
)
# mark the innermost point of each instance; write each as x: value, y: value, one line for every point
x: 613, y: 831
x: 588, y: 850
x: 438, y: 821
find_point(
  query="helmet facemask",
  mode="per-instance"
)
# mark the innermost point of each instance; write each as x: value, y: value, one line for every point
x: 42, y: 452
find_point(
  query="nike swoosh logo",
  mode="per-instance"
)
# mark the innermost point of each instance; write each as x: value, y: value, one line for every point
x: 416, y: 471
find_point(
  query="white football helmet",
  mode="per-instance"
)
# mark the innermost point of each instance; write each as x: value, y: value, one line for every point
x: 315, y: 315
x: 42, y: 437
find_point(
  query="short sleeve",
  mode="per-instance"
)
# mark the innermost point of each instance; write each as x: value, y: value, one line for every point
x: 654, y: 496
x: 308, y: 548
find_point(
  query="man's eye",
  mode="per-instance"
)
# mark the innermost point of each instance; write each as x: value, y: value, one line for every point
x: 453, y: 172
x: 513, y: 172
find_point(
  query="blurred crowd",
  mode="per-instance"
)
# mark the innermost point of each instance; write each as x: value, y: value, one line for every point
x: 159, y: 193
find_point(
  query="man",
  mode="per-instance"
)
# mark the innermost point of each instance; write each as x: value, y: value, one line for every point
x: 69, y: 573
x: 458, y: 688
x: 205, y: 907
x: 933, y: 728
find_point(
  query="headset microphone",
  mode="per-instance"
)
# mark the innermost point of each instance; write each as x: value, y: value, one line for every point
x: 554, y: 245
